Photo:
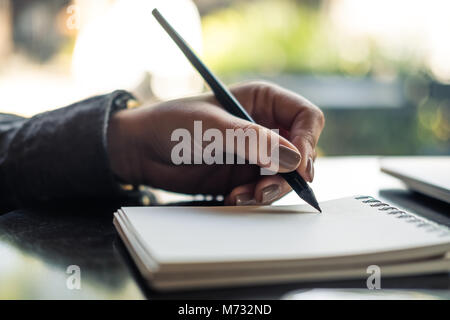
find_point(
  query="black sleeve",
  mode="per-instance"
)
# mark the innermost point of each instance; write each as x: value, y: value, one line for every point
x: 58, y: 155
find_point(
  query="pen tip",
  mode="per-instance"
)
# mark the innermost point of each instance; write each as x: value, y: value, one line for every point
x: 310, y: 198
x: 313, y: 202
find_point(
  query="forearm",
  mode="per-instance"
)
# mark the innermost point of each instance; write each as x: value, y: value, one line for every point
x: 59, y: 155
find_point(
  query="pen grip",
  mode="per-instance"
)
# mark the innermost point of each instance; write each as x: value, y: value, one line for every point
x: 230, y: 103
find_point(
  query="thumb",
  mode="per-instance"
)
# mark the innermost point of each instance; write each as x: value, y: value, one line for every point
x: 258, y: 145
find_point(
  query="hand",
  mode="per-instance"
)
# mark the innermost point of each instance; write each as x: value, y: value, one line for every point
x: 140, y: 146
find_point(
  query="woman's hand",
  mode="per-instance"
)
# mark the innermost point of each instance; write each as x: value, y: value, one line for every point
x: 140, y: 143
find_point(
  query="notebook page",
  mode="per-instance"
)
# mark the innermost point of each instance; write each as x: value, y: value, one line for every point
x: 346, y: 227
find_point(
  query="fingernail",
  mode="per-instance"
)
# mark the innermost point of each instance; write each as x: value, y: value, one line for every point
x: 271, y: 193
x: 289, y: 159
x: 310, y: 169
x: 245, y: 199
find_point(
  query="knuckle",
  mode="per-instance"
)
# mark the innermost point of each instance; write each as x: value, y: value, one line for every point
x: 316, y: 113
x: 309, y: 138
x: 321, y: 117
x: 245, y: 126
x: 261, y: 85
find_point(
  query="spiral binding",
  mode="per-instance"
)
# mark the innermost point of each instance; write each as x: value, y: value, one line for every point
x: 410, y: 218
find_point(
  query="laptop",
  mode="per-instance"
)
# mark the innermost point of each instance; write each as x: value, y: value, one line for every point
x: 427, y: 175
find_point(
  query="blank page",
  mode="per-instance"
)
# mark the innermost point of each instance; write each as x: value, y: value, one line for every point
x: 232, y: 234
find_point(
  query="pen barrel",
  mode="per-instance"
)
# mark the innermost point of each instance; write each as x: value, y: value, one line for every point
x: 295, y: 180
x: 223, y: 95
x: 230, y: 103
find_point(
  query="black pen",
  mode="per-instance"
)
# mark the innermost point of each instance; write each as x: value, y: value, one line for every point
x: 230, y: 103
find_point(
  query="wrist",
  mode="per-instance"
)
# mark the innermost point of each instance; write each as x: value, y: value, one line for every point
x: 119, y: 147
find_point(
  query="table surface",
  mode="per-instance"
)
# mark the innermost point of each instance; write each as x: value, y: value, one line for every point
x: 37, y: 246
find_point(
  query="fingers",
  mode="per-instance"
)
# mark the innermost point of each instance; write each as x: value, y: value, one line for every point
x: 275, y: 107
x: 270, y: 188
x: 304, y: 134
x: 265, y: 191
x: 256, y: 144
x: 242, y: 196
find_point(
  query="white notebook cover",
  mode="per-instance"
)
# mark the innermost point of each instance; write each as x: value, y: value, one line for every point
x: 192, y: 239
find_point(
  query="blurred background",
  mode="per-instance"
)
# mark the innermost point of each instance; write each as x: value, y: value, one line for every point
x: 380, y: 70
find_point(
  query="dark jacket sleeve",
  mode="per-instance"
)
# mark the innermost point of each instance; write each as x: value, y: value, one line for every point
x: 58, y: 155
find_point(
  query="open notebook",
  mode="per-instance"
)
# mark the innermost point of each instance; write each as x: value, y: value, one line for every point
x: 190, y: 247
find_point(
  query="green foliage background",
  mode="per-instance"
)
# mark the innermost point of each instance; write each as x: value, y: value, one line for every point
x: 285, y: 36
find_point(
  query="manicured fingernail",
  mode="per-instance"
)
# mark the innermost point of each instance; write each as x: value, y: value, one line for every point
x: 245, y: 199
x: 289, y: 159
x: 310, y: 169
x: 271, y: 193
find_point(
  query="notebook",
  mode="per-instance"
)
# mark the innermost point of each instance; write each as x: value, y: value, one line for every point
x: 203, y: 247
x: 427, y: 175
